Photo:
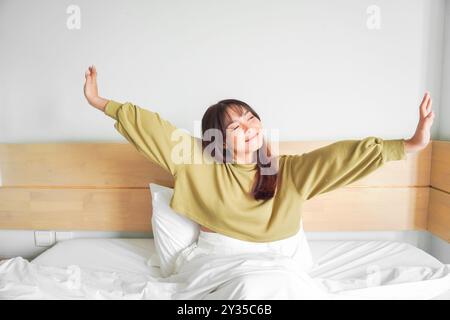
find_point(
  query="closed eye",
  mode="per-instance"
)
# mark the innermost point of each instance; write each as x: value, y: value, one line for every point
x: 251, y: 117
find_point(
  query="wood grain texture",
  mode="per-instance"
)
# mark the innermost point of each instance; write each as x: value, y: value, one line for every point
x: 103, y: 165
x: 439, y: 214
x: 439, y: 201
x: 440, y: 165
x: 104, y: 187
x: 120, y: 165
x: 130, y: 209
x: 367, y: 209
x: 75, y: 209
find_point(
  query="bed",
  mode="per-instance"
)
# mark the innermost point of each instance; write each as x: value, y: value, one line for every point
x: 122, y: 268
x: 77, y: 186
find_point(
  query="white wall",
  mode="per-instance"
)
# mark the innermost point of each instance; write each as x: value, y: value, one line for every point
x: 444, y: 118
x: 315, y: 62
x: 311, y: 69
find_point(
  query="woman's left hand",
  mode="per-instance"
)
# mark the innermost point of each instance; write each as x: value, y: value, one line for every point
x: 421, y: 137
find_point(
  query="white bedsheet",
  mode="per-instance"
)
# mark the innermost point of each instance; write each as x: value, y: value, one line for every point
x: 118, y: 269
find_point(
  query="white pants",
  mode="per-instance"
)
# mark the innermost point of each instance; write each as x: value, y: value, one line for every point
x: 295, y: 247
x: 249, y: 285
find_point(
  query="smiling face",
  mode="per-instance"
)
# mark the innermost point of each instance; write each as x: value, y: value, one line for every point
x: 243, y: 131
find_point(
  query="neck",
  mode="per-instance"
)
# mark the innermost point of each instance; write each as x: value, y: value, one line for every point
x: 245, y: 158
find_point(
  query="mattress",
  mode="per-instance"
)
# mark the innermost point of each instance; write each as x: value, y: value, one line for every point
x: 394, y: 262
x: 333, y: 259
x: 109, y: 255
x: 401, y: 269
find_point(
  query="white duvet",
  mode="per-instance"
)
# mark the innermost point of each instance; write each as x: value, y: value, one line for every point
x: 349, y: 270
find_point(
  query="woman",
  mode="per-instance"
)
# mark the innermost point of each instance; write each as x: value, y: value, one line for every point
x: 246, y: 195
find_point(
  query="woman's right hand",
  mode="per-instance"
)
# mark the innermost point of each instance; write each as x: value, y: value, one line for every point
x: 91, y: 89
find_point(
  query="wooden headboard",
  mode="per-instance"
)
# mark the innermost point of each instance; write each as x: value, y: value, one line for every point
x: 105, y: 187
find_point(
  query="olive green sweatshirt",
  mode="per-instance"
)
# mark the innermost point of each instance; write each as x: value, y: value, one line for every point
x: 218, y: 195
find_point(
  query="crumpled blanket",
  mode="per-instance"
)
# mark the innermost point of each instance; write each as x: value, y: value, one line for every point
x: 201, y: 275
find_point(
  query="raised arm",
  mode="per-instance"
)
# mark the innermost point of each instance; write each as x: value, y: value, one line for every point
x: 150, y: 134
x: 344, y: 162
x: 340, y: 163
x: 91, y: 90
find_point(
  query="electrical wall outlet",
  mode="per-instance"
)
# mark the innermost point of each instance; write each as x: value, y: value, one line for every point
x: 44, y: 238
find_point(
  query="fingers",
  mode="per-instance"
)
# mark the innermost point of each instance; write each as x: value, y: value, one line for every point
x: 428, y: 106
x: 91, y: 73
x: 425, y: 106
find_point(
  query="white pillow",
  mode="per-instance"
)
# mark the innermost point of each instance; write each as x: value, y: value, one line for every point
x: 173, y: 232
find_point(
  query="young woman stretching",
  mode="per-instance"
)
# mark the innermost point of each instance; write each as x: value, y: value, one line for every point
x: 234, y: 197
x: 240, y: 192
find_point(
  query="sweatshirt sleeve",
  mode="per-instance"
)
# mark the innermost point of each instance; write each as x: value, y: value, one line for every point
x: 341, y: 163
x: 150, y: 134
